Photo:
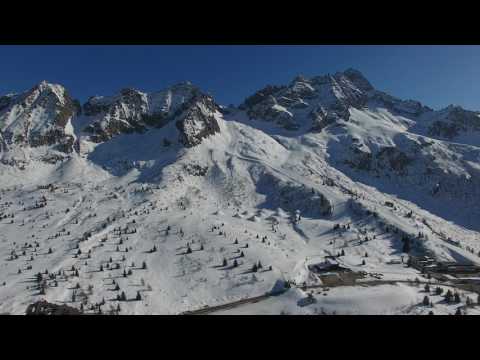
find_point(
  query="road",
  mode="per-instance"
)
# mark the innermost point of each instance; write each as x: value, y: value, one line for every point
x: 232, y: 305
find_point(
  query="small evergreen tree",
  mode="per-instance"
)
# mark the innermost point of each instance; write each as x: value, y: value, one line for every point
x: 457, y: 297
x: 138, y: 297
x: 144, y: 265
x: 426, y: 301
x: 448, y: 296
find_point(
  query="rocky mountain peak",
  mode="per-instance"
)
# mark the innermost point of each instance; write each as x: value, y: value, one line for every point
x: 357, y: 78
x: 38, y: 117
x: 134, y: 111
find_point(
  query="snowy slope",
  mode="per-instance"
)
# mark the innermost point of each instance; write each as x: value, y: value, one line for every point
x: 214, y: 191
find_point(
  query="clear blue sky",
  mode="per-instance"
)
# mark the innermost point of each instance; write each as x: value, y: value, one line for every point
x: 434, y: 75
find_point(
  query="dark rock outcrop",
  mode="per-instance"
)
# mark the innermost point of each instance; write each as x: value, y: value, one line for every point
x: 453, y: 121
x: 198, y: 121
x: 43, y: 307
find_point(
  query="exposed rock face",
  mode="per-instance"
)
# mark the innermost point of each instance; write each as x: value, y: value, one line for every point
x: 387, y: 159
x: 408, y: 108
x: 135, y: 111
x: 313, y: 104
x: 454, y: 120
x: 46, y: 308
x: 119, y: 114
x: 197, y: 121
x: 38, y: 117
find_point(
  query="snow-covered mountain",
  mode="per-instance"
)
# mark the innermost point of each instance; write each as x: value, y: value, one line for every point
x: 38, y: 118
x: 226, y: 203
x: 134, y: 111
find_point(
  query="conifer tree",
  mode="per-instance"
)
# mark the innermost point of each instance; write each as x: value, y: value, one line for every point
x: 456, y: 297
x: 448, y: 296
